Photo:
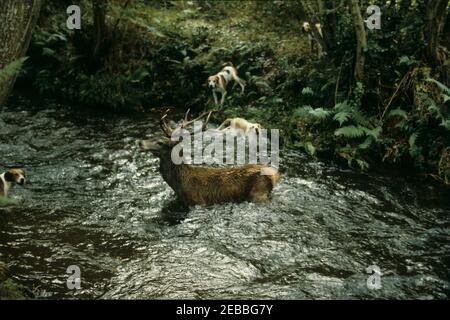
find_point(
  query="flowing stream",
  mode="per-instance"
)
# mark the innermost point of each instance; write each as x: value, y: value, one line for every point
x: 95, y: 201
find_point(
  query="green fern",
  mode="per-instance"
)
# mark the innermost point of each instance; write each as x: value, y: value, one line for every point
x: 350, y: 132
x: 414, y: 150
x: 307, y: 112
x: 446, y: 98
x: 360, y: 117
x: 398, y: 113
x: 342, y: 112
x: 446, y: 124
x: 346, y: 111
x: 307, y: 91
x: 374, y: 133
x: 310, y: 148
x: 341, y: 117
x: 441, y: 86
x: 303, y: 112
x: 320, y: 113
x: 362, y: 164
x: 366, y: 144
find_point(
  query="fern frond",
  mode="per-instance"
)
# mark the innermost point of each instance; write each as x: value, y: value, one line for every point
x: 362, y: 164
x: 414, y: 150
x: 412, y: 139
x: 320, y: 113
x: 302, y: 112
x: 341, y: 117
x: 360, y: 118
x: 446, y: 124
x: 441, y: 86
x: 342, y: 106
x: 374, y: 133
x: 446, y: 98
x: 350, y: 132
x: 307, y: 91
x: 398, y: 113
x: 366, y: 144
x: 310, y: 148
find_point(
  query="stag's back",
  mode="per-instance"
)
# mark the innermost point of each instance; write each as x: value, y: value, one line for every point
x: 206, y: 185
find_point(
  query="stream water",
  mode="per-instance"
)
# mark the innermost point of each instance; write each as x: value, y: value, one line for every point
x: 95, y: 201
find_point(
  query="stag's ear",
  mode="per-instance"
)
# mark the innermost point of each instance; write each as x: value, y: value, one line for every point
x: 9, y: 176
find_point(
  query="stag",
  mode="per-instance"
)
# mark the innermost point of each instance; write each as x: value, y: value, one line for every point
x: 204, y: 185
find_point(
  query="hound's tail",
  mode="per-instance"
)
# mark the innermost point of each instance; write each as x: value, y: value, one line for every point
x: 224, y: 123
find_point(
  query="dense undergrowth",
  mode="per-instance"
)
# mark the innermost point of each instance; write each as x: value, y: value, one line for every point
x: 160, y: 54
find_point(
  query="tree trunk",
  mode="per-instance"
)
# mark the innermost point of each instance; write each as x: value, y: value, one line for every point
x: 361, y: 40
x: 447, y: 32
x: 18, y: 19
x: 329, y: 21
x: 436, y: 11
x: 99, y: 11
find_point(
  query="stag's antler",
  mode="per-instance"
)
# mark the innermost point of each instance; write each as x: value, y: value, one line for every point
x: 165, y: 127
x: 185, y: 122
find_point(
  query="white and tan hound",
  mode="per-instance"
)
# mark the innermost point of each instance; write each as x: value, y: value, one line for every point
x: 218, y: 82
x: 314, y: 36
x: 240, y: 124
x: 9, y: 178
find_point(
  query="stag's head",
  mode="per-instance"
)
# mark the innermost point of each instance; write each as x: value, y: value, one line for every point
x: 157, y: 147
x: 163, y: 146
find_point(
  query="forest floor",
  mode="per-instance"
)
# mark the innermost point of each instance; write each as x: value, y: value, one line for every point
x: 231, y: 26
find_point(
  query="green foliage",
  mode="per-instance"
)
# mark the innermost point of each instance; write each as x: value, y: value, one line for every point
x: 11, y: 290
x: 350, y: 131
x: 398, y: 113
x: 7, y: 201
x: 12, y: 68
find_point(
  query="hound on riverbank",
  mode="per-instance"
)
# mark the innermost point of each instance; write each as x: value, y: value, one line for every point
x: 218, y: 82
